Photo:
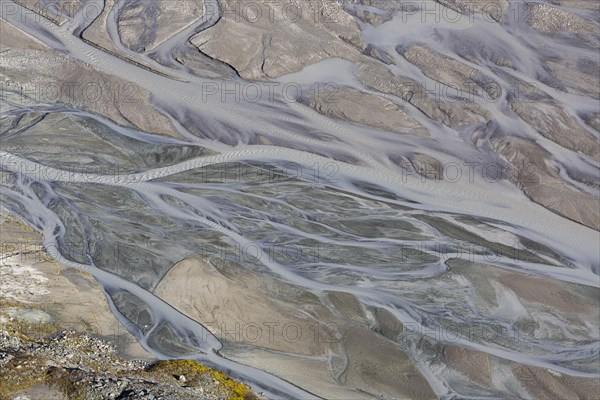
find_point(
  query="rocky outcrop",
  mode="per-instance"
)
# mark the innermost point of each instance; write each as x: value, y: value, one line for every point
x: 72, y: 365
x: 556, y: 124
x: 60, y: 79
x: 59, y: 340
x: 364, y: 109
x: 548, y: 19
x: 142, y: 25
x: 270, y: 39
x: 542, y: 183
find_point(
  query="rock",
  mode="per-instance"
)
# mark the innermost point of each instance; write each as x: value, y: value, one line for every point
x: 555, y: 123
x: 582, y: 77
x: 450, y: 112
x: 456, y: 74
x: 87, y: 88
x: 542, y: 183
x: 543, y: 383
x: 271, y: 39
x: 142, y: 25
x: 369, y: 16
x: 548, y: 19
x: 364, y: 109
x: 493, y: 10
x: 379, y: 54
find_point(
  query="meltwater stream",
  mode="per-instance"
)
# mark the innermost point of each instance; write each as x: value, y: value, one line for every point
x: 317, y: 183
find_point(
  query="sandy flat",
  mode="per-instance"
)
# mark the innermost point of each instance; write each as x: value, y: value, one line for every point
x: 313, y: 343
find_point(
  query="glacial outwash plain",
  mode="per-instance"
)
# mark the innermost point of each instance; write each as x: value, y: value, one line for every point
x: 299, y: 199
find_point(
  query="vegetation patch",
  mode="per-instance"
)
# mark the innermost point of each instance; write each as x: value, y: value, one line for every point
x: 196, y: 374
x: 21, y: 372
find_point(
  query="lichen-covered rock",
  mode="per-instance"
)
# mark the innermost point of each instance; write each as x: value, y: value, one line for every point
x: 78, y: 366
